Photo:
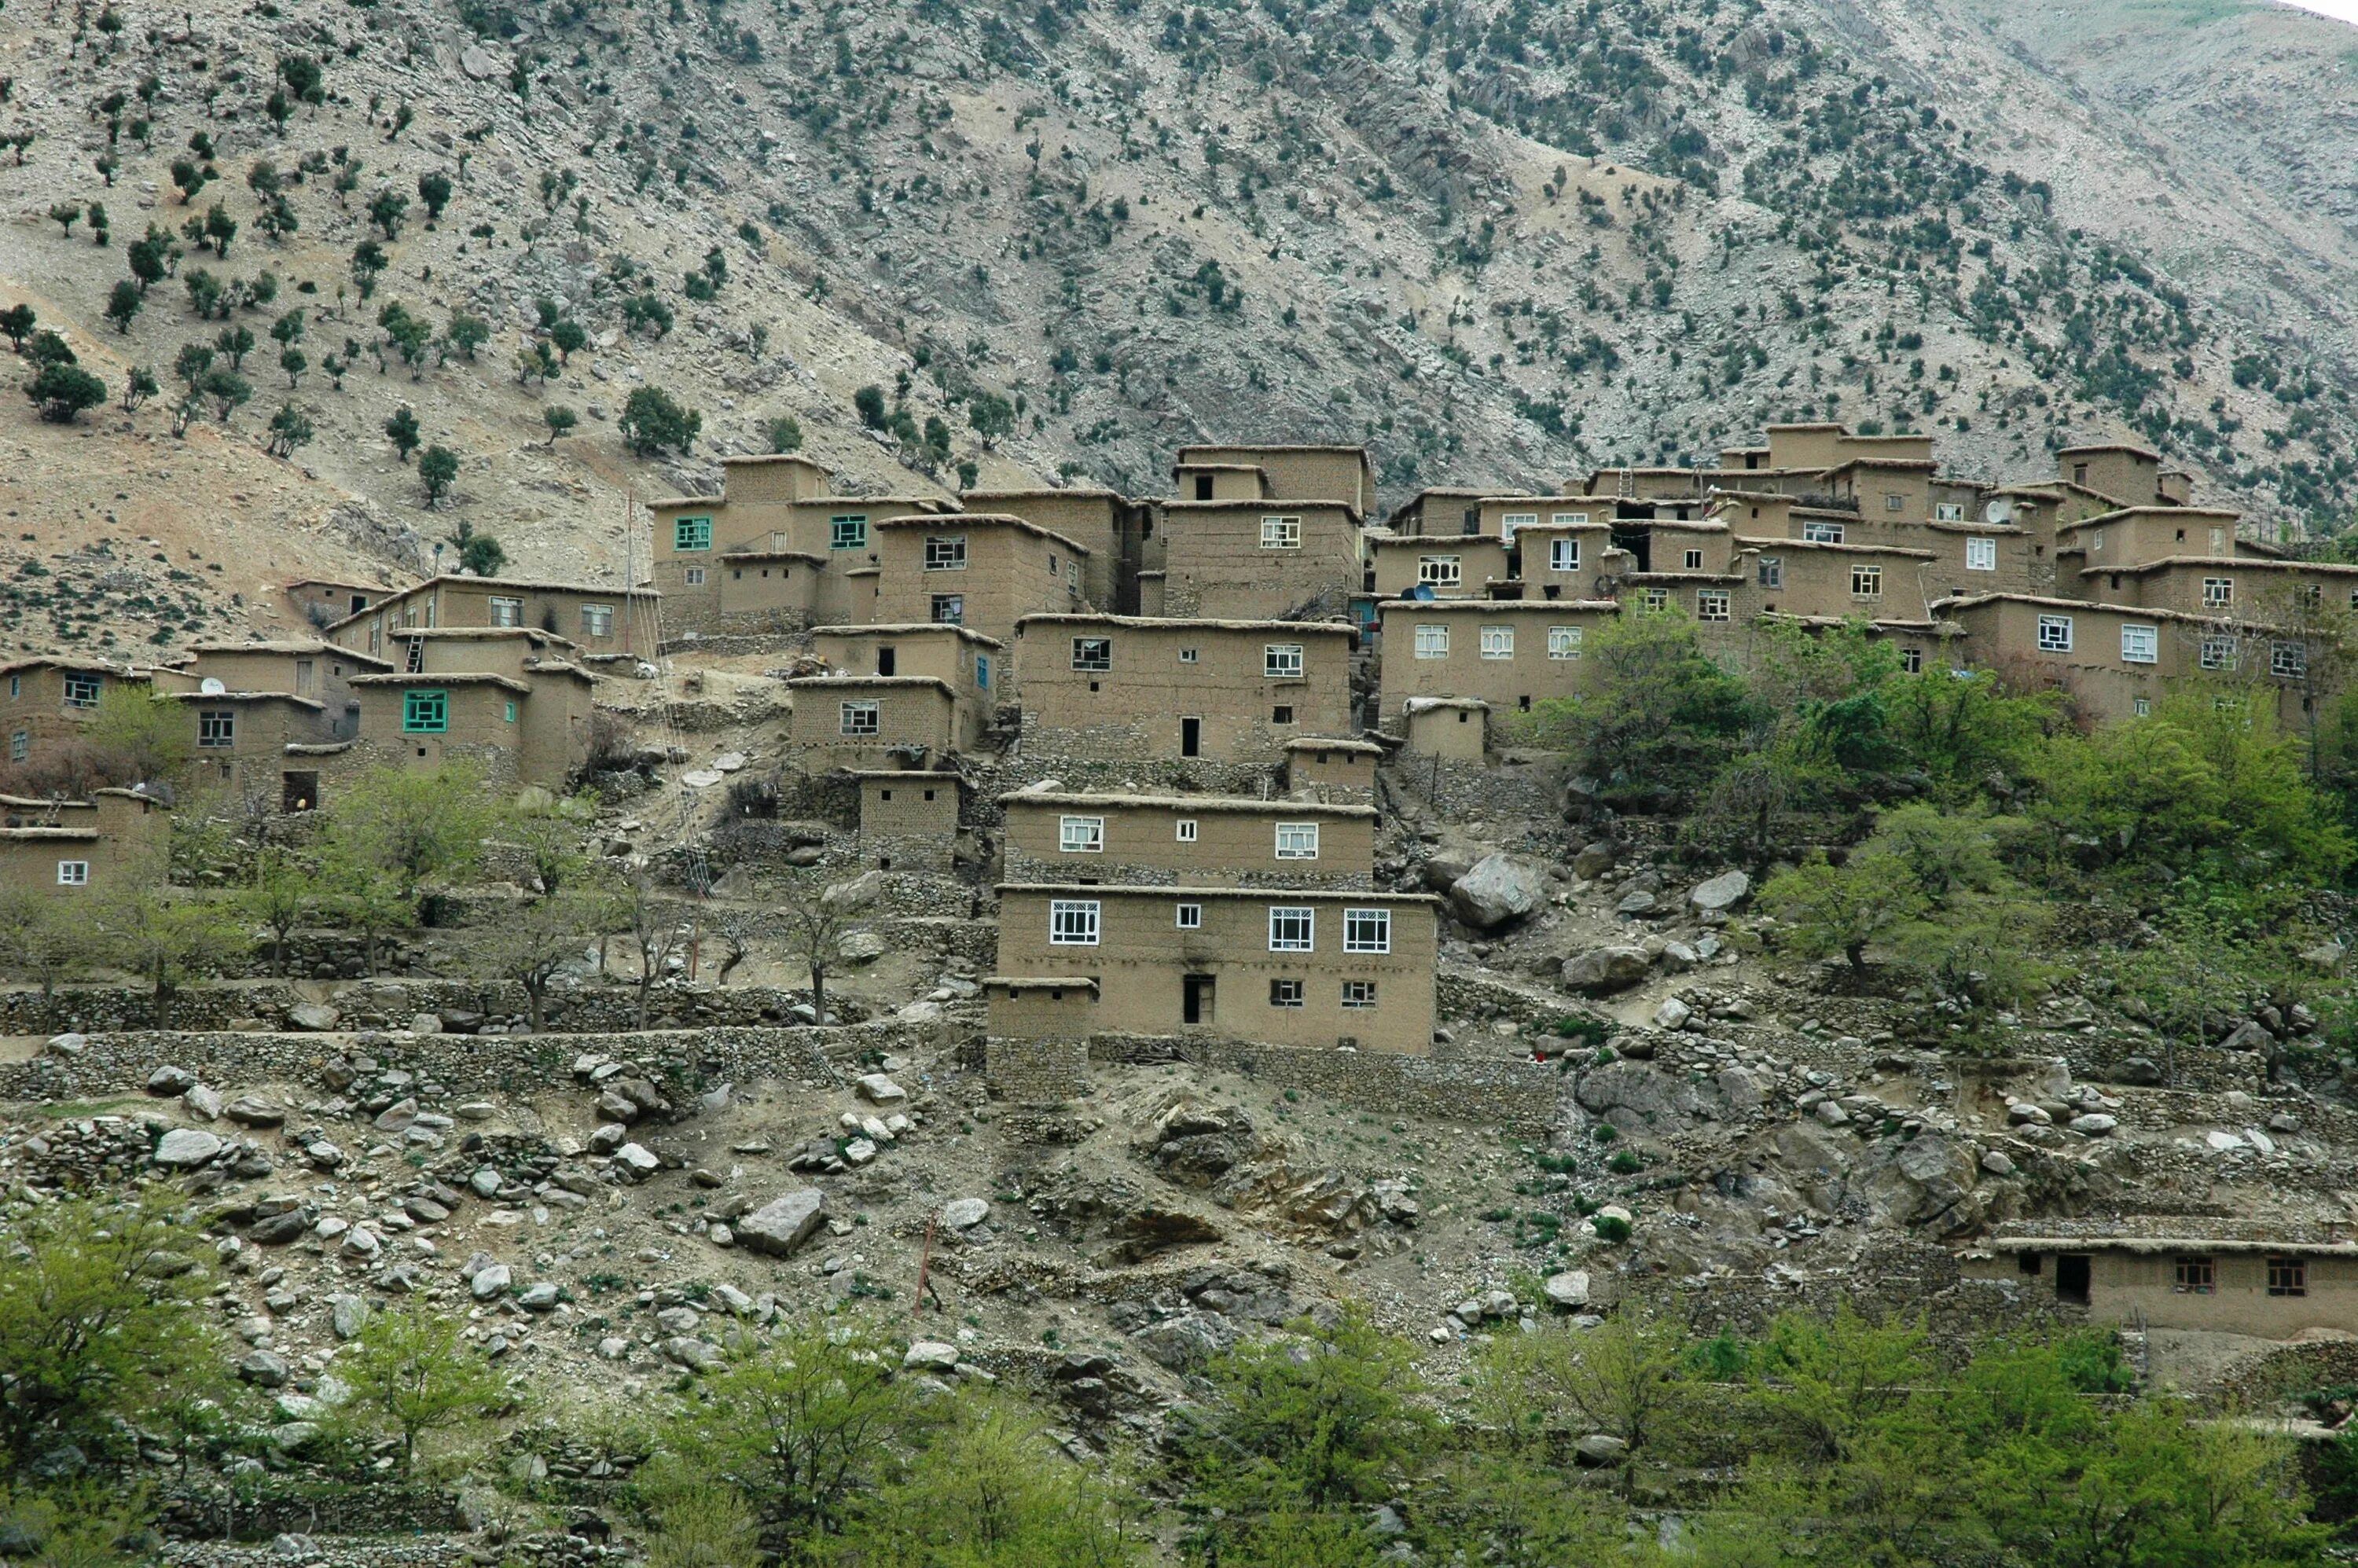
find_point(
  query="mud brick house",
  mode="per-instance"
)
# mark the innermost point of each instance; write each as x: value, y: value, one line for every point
x: 1312, y: 968
x: 985, y: 571
x: 1110, y: 526
x: 910, y: 819
x: 773, y: 552
x: 1187, y: 841
x: 512, y: 702
x: 1511, y: 654
x: 1321, y: 767
x: 2179, y: 1272
x: 1123, y: 686
x: 49, y: 700
x: 1464, y: 568
x: 323, y: 602
x: 600, y: 622
x: 1255, y: 560
x: 878, y: 721
x: 82, y: 849
x: 1342, y: 474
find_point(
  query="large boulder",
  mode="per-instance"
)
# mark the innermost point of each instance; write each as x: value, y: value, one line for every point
x: 783, y: 1224
x: 1497, y: 890
x: 184, y: 1147
x: 1568, y: 1289
x: 1722, y: 894
x: 1602, y: 970
x: 314, y: 1016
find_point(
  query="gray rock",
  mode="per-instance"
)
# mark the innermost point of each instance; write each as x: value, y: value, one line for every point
x: 965, y: 1214
x: 202, y: 1102
x: 485, y: 1181
x: 2095, y: 1124
x: 2249, y: 1036
x: 880, y: 1091
x: 489, y: 1282
x: 856, y: 895
x: 1568, y: 1289
x: 185, y: 1147
x: 169, y: 1080
x: 781, y: 1226
x: 266, y: 1369
x: 1640, y: 902
x: 1593, y: 861
x: 314, y: 1016
x: 861, y: 948
x: 930, y: 1356
x: 1601, y: 1448
x: 638, y: 1159
x: 1832, y: 1113
x: 693, y: 1354
x: 1998, y: 1164
x: 346, y: 1314
x: 539, y: 1296
x: 1721, y: 893
x: 678, y: 1319
x: 1603, y: 970
x: 2325, y: 955
x: 69, y: 1045
x: 1497, y: 890
x: 1672, y: 1014
x: 252, y: 1110
x: 480, y: 63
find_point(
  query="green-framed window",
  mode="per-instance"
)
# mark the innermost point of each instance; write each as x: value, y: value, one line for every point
x: 425, y: 712
x: 848, y: 532
x: 691, y: 534
x: 511, y: 712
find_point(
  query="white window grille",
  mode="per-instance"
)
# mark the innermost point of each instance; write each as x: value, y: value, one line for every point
x: 1564, y: 641
x: 2140, y: 644
x: 946, y: 553
x: 1081, y: 834
x: 1367, y: 931
x: 1433, y: 642
x: 863, y: 718
x: 1440, y: 572
x: 1280, y: 532
x: 1073, y: 921
x: 1711, y: 604
x: 1980, y: 554
x: 1564, y: 555
x: 1282, y: 661
x: 2055, y: 634
x: 1291, y: 929
x: 1497, y: 642
x: 1297, y: 840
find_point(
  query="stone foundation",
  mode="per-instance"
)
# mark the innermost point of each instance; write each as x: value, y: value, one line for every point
x: 1037, y: 1072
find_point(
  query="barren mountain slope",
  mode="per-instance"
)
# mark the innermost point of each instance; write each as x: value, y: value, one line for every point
x: 1500, y: 243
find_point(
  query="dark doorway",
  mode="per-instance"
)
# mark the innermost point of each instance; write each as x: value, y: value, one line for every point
x: 298, y: 792
x: 1638, y: 541
x: 1191, y: 737
x: 2071, y: 1277
x: 887, y: 663
x: 1203, y: 487
x: 1196, y: 999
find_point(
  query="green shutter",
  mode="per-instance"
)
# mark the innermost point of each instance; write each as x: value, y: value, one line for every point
x: 691, y: 534
x: 425, y: 712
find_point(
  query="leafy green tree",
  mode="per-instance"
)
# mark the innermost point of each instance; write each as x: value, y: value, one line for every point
x: 163, y: 934
x: 62, y: 391
x: 568, y: 338
x: 652, y: 421
x: 387, y: 210
x: 870, y: 403
x: 412, y: 1377
x: 93, y: 1334
x: 369, y: 262
x: 65, y: 215
x: 467, y: 333
x: 784, y: 433
x: 531, y: 945
x: 234, y: 343
x: 42, y: 942
x: 416, y: 828
x: 400, y: 429
x: 648, y: 310
x: 219, y: 229
x: 138, y: 387
x: 18, y: 322
x: 807, y: 1426
x: 992, y: 417
x: 285, y: 894
x: 122, y: 303
x: 478, y: 553
x: 434, y: 188
x: 560, y: 420
x: 294, y: 361
x: 47, y: 348
x: 228, y: 390
x: 289, y: 428
x: 438, y: 469
x: 1660, y: 717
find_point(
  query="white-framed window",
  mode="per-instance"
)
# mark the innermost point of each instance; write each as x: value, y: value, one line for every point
x: 848, y: 532
x: 1297, y: 840
x: 2218, y: 592
x: 2141, y: 707
x: 2055, y: 634
x: 1186, y: 827
x: 1658, y: 599
x: 1291, y: 929
x: 1772, y: 571
x: 1285, y: 993
x: 863, y: 718
x: 946, y: 553
x: 1893, y: 503
x: 1564, y: 641
x: 1188, y: 655
x: 1865, y: 582
x: 1080, y: 834
x: 1564, y: 555
x: 2095, y: 541
x: 596, y: 621
x: 82, y: 691
x: 1497, y: 642
x: 20, y: 745
x: 1073, y: 921
x: 1433, y: 642
x: 73, y: 873
x: 1282, y: 661
x: 217, y: 727
x: 2288, y: 660
x: 1358, y: 993
x: 693, y: 576
x: 1191, y: 917
x: 1814, y: 533
x: 1367, y: 931
x: 2218, y: 652
x: 1711, y: 604
x: 506, y: 611
x: 1577, y: 518
x: 1440, y: 572
x: 1093, y: 653
x: 1280, y: 532
x: 1949, y: 512
x: 1912, y: 660
x: 2140, y: 644
x: 1693, y: 559
x: 1508, y: 521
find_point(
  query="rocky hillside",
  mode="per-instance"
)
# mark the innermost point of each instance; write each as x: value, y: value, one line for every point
x: 1497, y: 241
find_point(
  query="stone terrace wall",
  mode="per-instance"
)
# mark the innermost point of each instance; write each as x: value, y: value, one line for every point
x: 390, y: 1002
x: 1525, y: 1097
x: 687, y: 1060
x: 1461, y: 791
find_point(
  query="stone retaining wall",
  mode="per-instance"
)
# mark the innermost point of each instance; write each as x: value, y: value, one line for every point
x: 1526, y: 1097
x: 1037, y: 1072
x: 687, y: 1059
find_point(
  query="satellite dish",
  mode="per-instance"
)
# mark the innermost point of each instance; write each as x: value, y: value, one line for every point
x: 1999, y: 512
x: 211, y: 685
x: 1422, y: 593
